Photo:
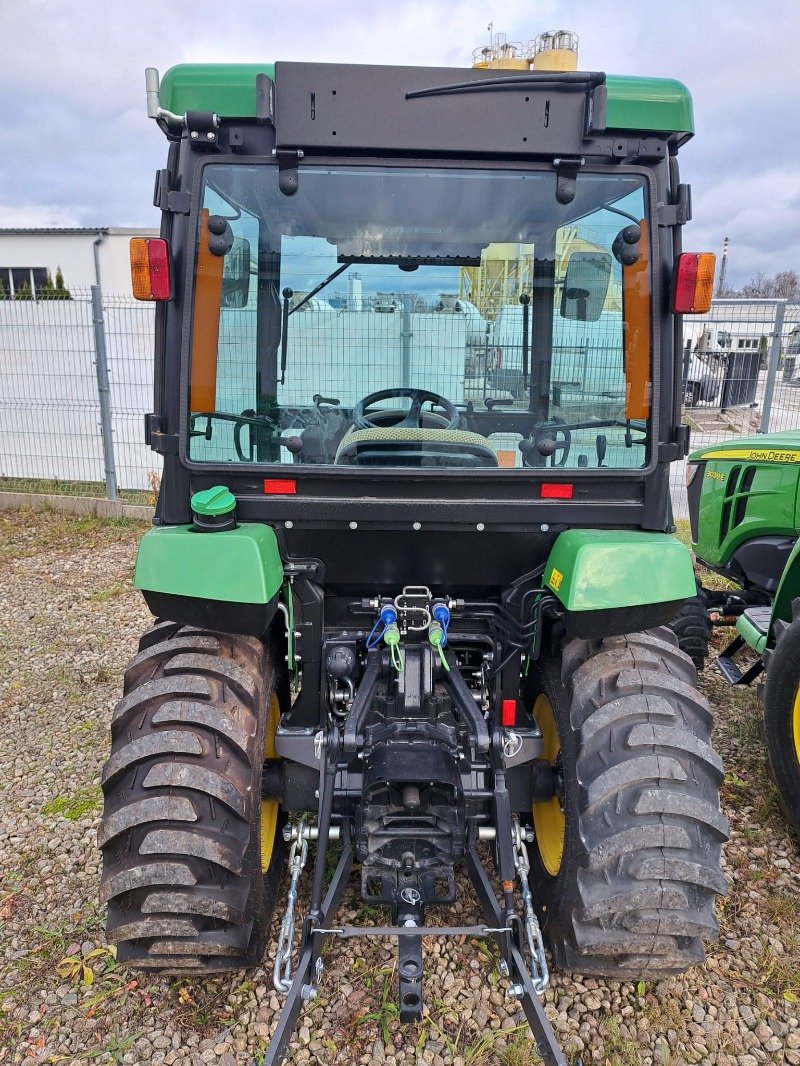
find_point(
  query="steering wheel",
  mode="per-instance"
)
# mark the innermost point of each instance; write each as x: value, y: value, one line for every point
x: 364, y: 420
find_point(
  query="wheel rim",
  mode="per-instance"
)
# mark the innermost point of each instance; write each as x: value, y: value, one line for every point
x: 796, y: 724
x: 549, y: 822
x: 269, y: 808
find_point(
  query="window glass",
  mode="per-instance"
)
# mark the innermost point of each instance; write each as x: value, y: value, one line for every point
x: 504, y: 328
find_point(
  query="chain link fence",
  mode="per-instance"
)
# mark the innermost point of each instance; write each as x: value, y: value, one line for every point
x: 77, y: 380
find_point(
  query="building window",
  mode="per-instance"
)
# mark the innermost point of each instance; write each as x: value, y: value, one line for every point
x: 13, y: 279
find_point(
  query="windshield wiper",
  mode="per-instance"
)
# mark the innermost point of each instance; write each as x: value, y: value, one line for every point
x: 310, y: 296
x: 570, y: 79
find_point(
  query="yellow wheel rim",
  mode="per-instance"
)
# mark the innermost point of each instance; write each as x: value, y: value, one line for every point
x: 269, y: 808
x: 796, y: 724
x: 548, y: 818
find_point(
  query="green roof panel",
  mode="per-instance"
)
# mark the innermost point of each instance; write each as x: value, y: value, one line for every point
x: 657, y: 104
x: 647, y: 104
x: 229, y: 89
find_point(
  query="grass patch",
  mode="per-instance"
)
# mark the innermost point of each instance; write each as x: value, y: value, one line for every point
x: 26, y: 533
x: 520, y: 1051
x: 683, y: 531
x: 619, y: 1050
x: 779, y: 975
x: 57, y: 487
x: 110, y: 592
x: 74, y: 806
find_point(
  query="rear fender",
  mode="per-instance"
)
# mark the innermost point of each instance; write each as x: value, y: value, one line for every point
x: 227, y: 580
x: 618, y: 581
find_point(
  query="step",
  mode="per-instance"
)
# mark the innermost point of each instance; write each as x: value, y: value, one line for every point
x: 731, y: 670
x: 753, y: 627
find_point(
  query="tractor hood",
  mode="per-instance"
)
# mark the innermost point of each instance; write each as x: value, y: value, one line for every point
x: 764, y: 447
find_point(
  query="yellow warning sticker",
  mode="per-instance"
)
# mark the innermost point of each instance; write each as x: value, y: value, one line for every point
x: 556, y: 577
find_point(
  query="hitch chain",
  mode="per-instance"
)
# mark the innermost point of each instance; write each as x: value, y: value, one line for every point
x: 298, y: 855
x: 540, y: 974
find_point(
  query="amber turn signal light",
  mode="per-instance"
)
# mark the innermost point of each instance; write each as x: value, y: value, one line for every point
x: 150, y: 278
x: 694, y: 283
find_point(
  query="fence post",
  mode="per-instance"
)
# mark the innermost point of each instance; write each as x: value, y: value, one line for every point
x: 772, y: 366
x: 687, y: 362
x: 405, y: 340
x: 103, y: 392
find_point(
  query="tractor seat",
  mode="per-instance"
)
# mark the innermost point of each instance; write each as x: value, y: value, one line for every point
x: 406, y: 445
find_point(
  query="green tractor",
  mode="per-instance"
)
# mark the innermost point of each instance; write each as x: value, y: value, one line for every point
x: 744, y: 510
x: 405, y: 622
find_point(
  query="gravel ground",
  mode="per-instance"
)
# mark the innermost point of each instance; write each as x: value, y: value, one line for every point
x: 68, y: 623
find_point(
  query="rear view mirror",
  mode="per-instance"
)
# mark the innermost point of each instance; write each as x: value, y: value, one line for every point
x: 586, y: 286
x: 236, y: 274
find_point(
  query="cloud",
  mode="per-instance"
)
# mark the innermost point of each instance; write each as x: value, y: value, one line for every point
x: 27, y: 215
x: 79, y: 148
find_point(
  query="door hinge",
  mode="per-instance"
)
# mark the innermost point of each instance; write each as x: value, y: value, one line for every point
x: 679, y: 213
x: 202, y: 128
x: 678, y: 448
x: 166, y: 199
x: 156, y: 439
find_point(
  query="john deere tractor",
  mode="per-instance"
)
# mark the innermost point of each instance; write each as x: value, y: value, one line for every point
x: 744, y: 510
x: 405, y: 623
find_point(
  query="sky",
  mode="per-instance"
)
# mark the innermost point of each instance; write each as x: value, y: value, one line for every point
x: 78, y: 149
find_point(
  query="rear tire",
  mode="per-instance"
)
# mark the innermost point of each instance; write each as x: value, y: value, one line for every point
x: 782, y: 717
x: 181, y: 833
x: 629, y: 891
x: 692, y: 627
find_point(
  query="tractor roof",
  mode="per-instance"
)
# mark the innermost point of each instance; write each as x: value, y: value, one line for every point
x: 775, y: 447
x: 229, y: 89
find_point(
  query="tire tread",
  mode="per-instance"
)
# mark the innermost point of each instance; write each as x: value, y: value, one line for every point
x: 179, y: 834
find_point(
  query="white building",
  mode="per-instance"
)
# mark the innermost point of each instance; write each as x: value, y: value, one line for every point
x: 86, y: 257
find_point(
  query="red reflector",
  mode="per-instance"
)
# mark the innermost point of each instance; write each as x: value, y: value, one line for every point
x: 279, y: 487
x: 158, y: 261
x: 508, y: 712
x: 555, y: 490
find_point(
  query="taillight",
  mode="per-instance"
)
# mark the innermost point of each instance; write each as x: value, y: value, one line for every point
x: 150, y: 269
x: 694, y: 283
x: 691, y: 472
